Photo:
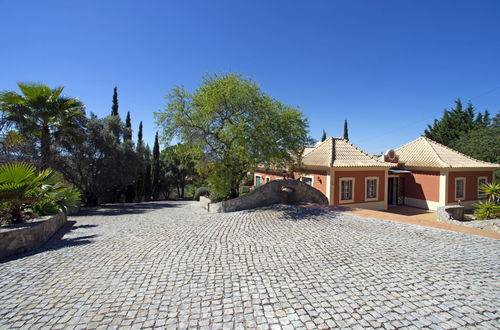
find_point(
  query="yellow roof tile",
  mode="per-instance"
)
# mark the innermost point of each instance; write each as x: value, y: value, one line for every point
x: 424, y: 152
x: 336, y: 152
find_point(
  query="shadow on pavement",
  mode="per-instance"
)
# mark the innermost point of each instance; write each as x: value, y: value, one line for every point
x: 57, y: 241
x: 123, y: 209
x: 296, y: 212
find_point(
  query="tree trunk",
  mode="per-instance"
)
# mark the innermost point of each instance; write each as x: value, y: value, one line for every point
x: 45, y: 147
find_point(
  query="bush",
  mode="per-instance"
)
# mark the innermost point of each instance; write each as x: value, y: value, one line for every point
x: 202, y: 191
x: 244, y: 190
x: 487, y: 210
x: 24, y: 193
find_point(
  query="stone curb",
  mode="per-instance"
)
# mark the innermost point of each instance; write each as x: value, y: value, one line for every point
x: 24, y: 237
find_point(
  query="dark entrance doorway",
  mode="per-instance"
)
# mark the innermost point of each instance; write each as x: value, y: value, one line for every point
x: 392, y: 191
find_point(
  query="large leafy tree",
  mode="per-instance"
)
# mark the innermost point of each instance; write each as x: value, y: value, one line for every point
x: 43, y: 114
x: 235, y: 126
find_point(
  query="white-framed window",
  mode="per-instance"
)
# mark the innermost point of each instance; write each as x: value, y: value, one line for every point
x: 480, y: 181
x: 459, y: 188
x: 346, y: 190
x: 268, y: 179
x: 371, y: 188
x: 307, y: 180
x: 258, y: 180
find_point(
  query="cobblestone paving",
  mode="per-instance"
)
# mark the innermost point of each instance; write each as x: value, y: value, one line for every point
x: 170, y: 265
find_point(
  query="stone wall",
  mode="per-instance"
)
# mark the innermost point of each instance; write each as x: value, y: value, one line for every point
x: 23, y: 237
x: 274, y: 192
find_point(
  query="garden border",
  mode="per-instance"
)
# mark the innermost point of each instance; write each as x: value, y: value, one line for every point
x: 24, y: 237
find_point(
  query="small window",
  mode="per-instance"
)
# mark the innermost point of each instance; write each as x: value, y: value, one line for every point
x: 346, y: 190
x: 480, y: 181
x: 371, y: 184
x: 459, y: 188
x: 258, y: 180
x: 307, y: 180
x: 268, y: 179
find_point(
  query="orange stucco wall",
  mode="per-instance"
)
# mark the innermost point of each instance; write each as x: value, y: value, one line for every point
x: 359, y: 185
x: 422, y: 185
x: 272, y: 176
x: 470, y: 184
x: 319, y: 177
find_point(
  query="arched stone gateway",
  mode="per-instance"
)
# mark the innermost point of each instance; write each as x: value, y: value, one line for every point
x: 274, y: 192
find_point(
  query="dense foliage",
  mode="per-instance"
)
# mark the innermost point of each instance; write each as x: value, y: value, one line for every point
x: 24, y: 192
x: 44, y: 116
x: 232, y: 126
x: 489, y: 209
x: 97, y: 156
x: 474, y: 134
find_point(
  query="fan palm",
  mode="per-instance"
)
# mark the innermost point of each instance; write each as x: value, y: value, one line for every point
x: 44, y: 113
x: 492, y: 190
x: 20, y: 186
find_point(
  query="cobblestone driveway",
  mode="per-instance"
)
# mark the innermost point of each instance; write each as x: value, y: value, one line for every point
x: 172, y: 265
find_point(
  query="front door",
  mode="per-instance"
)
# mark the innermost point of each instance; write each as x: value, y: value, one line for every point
x: 392, y: 191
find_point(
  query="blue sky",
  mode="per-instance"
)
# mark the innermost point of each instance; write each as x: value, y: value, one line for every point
x: 388, y: 67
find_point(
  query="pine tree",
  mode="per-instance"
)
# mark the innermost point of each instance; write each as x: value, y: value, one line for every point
x: 346, y: 130
x: 127, y: 133
x: 114, y: 107
x: 156, y: 169
x: 323, y: 137
x: 148, y: 187
x: 455, y: 123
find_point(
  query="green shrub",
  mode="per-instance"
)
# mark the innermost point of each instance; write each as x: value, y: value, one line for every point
x: 244, y: 190
x: 487, y: 210
x: 202, y: 191
x: 60, y: 200
x: 23, y: 192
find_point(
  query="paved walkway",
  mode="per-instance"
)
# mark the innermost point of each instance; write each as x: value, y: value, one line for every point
x: 420, y: 217
x: 171, y: 265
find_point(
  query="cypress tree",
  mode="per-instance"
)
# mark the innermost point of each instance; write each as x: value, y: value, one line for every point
x: 139, y: 135
x: 148, y: 188
x: 346, y: 131
x: 156, y: 169
x: 141, y: 154
x: 127, y: 134
x: 114, y: 107
x: 323, y: 137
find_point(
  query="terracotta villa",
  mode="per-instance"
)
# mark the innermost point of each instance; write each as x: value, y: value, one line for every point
x: 422, y: 173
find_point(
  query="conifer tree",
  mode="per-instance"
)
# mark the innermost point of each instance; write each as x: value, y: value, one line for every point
x: 114, y: 107
x: 141, y: 153
x: 127, y: 133
x: 139, y: 134
x: 323, y: 137
x: 148, y: 187
x: 156, y: 169
x: 346, y: 131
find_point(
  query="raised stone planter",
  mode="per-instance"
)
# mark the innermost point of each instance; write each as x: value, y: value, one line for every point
x: 451, y: 212
x: 23, y: 237
x: 274, y: 192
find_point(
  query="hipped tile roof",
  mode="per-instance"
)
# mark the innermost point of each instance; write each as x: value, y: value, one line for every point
x: 337, y: 152
x: 424, y: 152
